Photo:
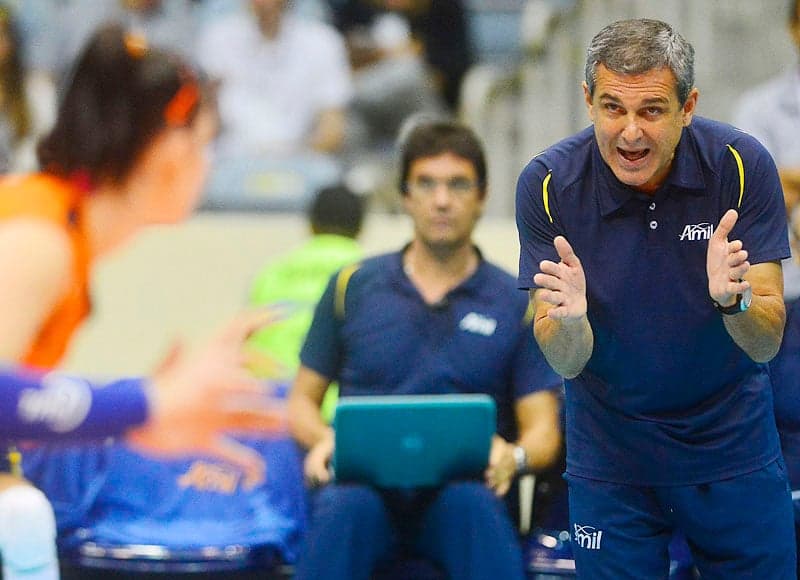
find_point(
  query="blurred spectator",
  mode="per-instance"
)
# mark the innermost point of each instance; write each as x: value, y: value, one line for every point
x: 55, y: 30
x: 27, y: 106
x: 298, y: 279
x: 284, y: 81
x: 771, y: 113
x: 409, y: 56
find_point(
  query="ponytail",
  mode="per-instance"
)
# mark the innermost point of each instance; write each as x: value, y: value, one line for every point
x: 114, y: 105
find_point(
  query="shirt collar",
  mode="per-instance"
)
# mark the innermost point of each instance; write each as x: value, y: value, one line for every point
x: 685, y: 176
x: 474, y: 284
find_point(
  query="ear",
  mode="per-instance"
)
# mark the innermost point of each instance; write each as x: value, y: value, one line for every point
x: 587, y: 97
x: 689, y: 106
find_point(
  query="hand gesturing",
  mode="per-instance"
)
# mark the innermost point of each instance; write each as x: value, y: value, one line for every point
x: 726, y: 263
x: 564, y: 283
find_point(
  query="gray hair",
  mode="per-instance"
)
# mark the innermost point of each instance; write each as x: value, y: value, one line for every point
x: 637, y: 46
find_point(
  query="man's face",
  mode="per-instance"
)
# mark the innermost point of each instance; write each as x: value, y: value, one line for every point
x: 443, y: 199
x: 268, y: 13
x: 638, y: 122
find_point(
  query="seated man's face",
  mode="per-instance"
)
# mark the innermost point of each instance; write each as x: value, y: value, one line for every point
x: 444, y: 199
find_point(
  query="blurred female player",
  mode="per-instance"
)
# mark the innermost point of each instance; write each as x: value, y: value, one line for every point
x: 127, y: 150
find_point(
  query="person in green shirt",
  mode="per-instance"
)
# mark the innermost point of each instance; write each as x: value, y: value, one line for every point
x: 298, y: 279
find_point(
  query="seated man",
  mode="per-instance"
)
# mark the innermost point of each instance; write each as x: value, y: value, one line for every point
x: 432, y: 318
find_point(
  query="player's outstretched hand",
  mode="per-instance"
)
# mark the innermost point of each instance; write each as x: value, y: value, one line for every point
x: 564, y: 283
x: 196, y: 397
x: 726, y: 262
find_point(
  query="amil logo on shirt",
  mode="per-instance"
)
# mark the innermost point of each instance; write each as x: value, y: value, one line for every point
x: 479, y: 324
x: 695, y: 232
x: 587, y: 537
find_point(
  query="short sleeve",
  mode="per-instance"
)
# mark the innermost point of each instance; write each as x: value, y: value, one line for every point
x: 537, y: 222
x: 322, y: 349
x: 758, y: 197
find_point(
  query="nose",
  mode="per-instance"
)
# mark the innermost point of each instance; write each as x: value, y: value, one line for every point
x: 441, y: 194
x: 631, y: 132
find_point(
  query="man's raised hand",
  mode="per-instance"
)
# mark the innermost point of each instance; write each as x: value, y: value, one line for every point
x: 563, y: 284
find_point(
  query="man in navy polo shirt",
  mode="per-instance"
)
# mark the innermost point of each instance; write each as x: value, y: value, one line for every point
x: 651, y: 246
x: 432, y: 318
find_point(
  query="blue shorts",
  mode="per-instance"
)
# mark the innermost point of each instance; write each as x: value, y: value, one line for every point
x: 741, y: 527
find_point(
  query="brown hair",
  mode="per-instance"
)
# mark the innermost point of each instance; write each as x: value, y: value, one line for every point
x: 121, y: 94
x: 15, y: 99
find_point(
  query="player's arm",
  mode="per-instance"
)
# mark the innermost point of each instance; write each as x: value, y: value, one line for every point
x: 759, y: 330
x: 560, y: 323
x: 35, y: 273
x: 57, y: 407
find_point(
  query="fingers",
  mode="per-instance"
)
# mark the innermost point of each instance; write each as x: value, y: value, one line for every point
x: 565, y: 251
x: 502, y: 468
x: 173, y: 355
x: 256, y: 421
x: 726, y: 224
x: 316, y: 471
x: 240, y: 456
x: 262, y: 364
x: 317, y: 462
x: 246, y: 323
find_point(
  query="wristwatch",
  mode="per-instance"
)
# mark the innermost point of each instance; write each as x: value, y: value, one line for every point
x: 742, y: 303
x: 520, y: 458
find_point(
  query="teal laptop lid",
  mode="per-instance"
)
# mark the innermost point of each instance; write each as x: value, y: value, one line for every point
x: 407, y: 441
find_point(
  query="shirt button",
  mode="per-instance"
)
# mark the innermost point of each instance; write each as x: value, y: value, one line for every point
x: 653, y: 206
x: 653, y: 224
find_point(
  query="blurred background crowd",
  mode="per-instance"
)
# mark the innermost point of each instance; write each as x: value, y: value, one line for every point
x: 313, y: 94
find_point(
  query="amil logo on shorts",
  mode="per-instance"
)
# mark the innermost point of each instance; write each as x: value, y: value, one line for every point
x: 587, y: 537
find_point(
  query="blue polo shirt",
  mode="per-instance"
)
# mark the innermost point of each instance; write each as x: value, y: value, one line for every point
x: 478, y: 339
x: 666, y: 397
x: 785, y: 372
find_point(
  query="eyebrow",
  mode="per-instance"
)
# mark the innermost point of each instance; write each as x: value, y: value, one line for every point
x: 646, y: 102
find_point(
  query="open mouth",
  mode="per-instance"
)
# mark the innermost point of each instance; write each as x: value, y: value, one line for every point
x: 633, y: 156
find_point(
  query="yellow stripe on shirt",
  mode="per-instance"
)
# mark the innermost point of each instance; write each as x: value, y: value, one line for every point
x: 341, y: 288
x: 546, y: 195
x: 740, y: 167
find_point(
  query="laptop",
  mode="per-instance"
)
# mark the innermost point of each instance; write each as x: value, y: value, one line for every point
x: 409, y: 441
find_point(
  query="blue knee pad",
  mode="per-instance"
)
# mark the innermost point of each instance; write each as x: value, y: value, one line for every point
x: 27, y: 532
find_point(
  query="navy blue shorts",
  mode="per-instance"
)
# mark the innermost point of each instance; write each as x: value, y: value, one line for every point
x: 741, y: 527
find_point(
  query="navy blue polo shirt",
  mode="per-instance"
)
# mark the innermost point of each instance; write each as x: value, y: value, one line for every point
x: 478, y: 339
x: 666, y: 397
x: 785, y: 372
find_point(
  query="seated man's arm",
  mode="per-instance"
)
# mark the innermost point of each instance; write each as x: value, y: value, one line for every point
x: 539, y: 428
x: 306, y: 424
x: 537, y: 417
